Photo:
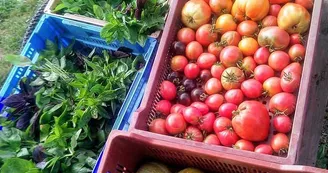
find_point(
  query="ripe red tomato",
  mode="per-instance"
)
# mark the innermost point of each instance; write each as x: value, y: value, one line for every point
x: 226, y: 110
x: 272, y: 86
x: 273, y: 37
x: 163, y: 107
x: 264, y: 149
x: 217, y: 70
x: 177, y: 108
x: 230, y: 55
x: 243, y: 144
x: 220, y: 6
x: 230, y: 38
x: 251, y: 88
x: 206, y: 122
x: 248, y: 46
x: 215, y: 49
x: 195, y: 14
x: 308, y: 4
x: 282, y: 104
x: 232, y: 78
x: 274, y: 10
x: 191, y: 115
x: 290, y: 82
x: 225, y: 23
x: 278, y: 60
x: 186, y: 35
x: 280, y: 143
x: 251, y: 121
x: 261, y: 56
x: 269, y: 21
x: 248, y: 65
x: 205, y: 35
x: 168, y: 90
x: 194, y: 50
x: 191, y: 71
x: 213, y: 86
x: 234, y: 96
x: 206, y: 60
x: 212, y: 139
x: 263, y: 72
x: 175, y: 124
x: 296, y: 39
x: 214, y: 101
x: 296, y: 52
x: 205, y: 75
x: 223, y: 129
x: 194, y: 134
x: 158, y: 126
x: 202, y: 107
x: 282, y: 123
x: 248, y: 28
x: 294, y: 67
x: 178, y: 63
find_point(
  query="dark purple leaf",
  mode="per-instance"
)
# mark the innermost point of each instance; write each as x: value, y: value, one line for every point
x: 35, y: 128
x: 38, y: 154
x: 24, y: 121
x: 14, y: 101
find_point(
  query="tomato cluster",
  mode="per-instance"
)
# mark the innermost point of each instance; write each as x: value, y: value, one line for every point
x: 223, y: 69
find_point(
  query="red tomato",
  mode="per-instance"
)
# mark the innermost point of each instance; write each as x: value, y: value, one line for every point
x: 248, y: 46
x: 296, y: 39
x: 178, y: 63
x: 251, y: 88
x: 282, y: 104
x: 220, y: 6
x: 191, y: 115
x: 278, y: 60
x: 175, y: 124
x: 261, y: 56
x: 207, y: 1
x: 225, y: 23
x: 232, y: 78
x: 264, y: 149
x: 202, y: 107
x: 194, y: 134
x: 198, y: 94
x: 243, y: 144
x: 223, y: 129
x: 269, y: 21
x: 230, y: 55
x: 158, y: 126
x: 273, y: 37
x: 248, y: 28
x: 194, y: 50
x: 205, y: 75
x: 191, y: 71
x: 212, y: 139
x: 293, y: 67
x: 248, y: 65
x: 164, y: 107
x: 296, y: 52
x: 186, y: 35
x: 226, y: 110
x: 280, y: 143
x: 279, y: 1
x: 217, y: 70
x: 282, y: 123
x: 230, y: 38
x: 263, y: 72
x: 206, y: 60
x: 251, y: 121
x: 308, y: 4
x: 177, y: 108
x: 213, y: 86
x: 234, y: 96
x: 215, y: 49
x: 206, y: 122
x: 272, y: 86
x: 168, y: 90
x: 195, y: 14
x: 290, y: 82
x: 274, y: 9
x: 205, y: 35
x: 214, y: 101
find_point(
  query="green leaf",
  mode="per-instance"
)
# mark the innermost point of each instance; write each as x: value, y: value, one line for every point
x: 107, y: 95
x: 74, y: 138
x: 45, y: 118
x: 37, y: 82
x: 98, y: 12
x: 55, y: 108
x: 23, y: 153
x: 59, y: 7
x: 62, y: 62
x: 52, y: 77
x: 44, y: 129
x: 7, y: 154
x: 17, y: 165
x: 98, y: 88
x: 18, y: 60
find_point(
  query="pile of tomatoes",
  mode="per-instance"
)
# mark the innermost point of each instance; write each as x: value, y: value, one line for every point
x: 229, y: 57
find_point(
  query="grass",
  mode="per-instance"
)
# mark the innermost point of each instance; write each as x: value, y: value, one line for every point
x: 14, y: 19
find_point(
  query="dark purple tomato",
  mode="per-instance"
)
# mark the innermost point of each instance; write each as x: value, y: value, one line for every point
x: 184, y: 99
x: 189, y: 84
x: 205, y: 75
x: 175, y: 77
x: 179, y: 48
x: 198, y: 95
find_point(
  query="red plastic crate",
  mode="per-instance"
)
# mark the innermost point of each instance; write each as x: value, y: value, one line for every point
x: 146, y: 113
x: 125, y: 152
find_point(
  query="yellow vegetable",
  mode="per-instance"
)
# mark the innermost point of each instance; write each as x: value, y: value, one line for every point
x: 153, y: 167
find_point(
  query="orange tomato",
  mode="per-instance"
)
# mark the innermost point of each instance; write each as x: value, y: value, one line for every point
x: 248, y: 46
x: 250, y: 9
x: 225, y: 23
x: 220, y: 6
x: 195, y: 13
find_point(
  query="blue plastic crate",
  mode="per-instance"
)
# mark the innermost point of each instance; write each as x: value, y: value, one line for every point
x: 50, y: 27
